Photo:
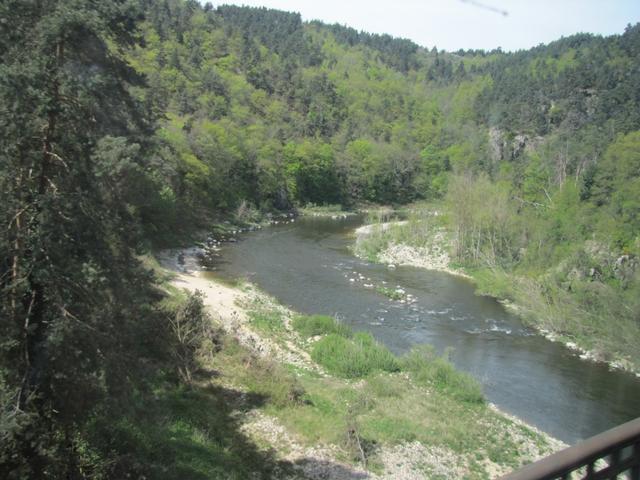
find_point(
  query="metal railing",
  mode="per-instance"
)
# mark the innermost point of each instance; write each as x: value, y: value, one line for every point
x: 614, y: 454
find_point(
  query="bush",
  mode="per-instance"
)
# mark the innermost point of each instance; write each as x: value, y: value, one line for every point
x: 427, y: 368
x: 274, y: 382
x: 494, y: 282
x: 353, y: 358
x: 312, y: 325
x: 246, y: 213
x: 190, y: 326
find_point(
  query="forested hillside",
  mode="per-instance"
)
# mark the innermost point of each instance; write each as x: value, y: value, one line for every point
x: 128, y: 124
x: 538, y: 149
x: 262, y: 107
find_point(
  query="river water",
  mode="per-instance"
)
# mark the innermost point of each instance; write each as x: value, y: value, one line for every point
x: 308, y: 266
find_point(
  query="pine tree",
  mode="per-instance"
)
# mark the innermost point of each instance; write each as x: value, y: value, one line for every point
x: 70, y: 284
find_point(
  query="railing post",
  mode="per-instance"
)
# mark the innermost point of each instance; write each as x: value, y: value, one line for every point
x: 607, y: 445
x: 635, y: 470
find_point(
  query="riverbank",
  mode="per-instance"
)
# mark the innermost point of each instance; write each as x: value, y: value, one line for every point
x: 432, y: 257
x: 334, y: 212
x: 424, y: 243
x: 413, y: 417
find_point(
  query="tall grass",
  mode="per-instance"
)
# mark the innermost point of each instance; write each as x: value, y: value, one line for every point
x: 312, y: 325
x: 427, y: 368
x: 353, y: 357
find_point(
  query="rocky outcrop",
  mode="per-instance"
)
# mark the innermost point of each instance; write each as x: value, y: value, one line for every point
x: 507, y: 146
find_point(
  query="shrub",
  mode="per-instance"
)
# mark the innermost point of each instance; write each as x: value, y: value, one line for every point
x: 271, y: 380
x: 190, y: 326
x: 246, y: 213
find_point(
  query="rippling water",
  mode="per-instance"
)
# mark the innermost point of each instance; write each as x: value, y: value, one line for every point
x: 308, y: 266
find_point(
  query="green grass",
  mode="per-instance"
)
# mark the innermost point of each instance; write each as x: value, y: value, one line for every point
x: 267, y: 378
x: 393, y: 409
x: 583, y: 315
x: 267, y: 321
x: 353, y: 357
x: 175, y: 432
x: 493, y: 282
x: 312, y: 325
x: 427, y: 368
x: 189, y: 434
x: 369, y: 246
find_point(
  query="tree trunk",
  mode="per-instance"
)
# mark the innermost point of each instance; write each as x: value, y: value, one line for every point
x: 34, y: 325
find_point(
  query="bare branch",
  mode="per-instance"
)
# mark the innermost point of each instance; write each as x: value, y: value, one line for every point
x: 17, y: 216
x: 57, y: 157
x: 67, y: 314
x: 53, y: 185
x: 528, y: 202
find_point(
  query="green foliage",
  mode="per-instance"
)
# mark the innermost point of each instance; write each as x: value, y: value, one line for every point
x: 247, y: 214
x: 310, y: 172
x: 109, y: 144
x: 265, y: 109
x: 616, y: 188
x: 551, y: 86
x: 312, y: 325
x: 493, y: 282
x: 398, y: 53
x: 353, y: 357
x: 76, y: 305
x: 485, y: 220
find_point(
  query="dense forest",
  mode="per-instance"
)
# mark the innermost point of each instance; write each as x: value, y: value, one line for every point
x: 127, y: 125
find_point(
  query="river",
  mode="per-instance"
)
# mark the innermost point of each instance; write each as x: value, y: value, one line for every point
x: 308, y: 266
